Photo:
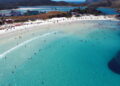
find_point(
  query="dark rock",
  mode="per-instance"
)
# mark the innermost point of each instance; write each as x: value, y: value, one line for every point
x: 114, y: 64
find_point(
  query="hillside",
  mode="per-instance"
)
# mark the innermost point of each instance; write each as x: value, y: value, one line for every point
x: 23, y: 1
x: 9, y: 4
x: 106, y: 3
x: 90, y: 1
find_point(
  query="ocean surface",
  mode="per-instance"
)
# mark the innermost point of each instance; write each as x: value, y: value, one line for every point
x: 23, y: 9
x: 108, y: 11
x: 69, y: 54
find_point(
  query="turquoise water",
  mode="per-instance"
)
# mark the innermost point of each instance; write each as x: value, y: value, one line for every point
x: 71, y: 54
x: 23, y: 9
x: 108, y: 11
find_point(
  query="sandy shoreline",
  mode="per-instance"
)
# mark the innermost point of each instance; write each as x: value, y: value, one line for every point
x: 26, y: 25
x: 17, y: 36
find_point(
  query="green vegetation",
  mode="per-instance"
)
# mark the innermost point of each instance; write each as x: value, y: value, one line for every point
x: 86, y: 11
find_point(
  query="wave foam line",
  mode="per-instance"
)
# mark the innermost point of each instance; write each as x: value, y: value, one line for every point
x: 23, y: 43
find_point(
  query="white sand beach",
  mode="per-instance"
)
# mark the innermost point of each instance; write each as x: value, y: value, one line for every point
x: 12, y: 31
x: 30, y: 24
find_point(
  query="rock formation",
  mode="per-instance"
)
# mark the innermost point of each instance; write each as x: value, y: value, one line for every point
x: 114, y: 64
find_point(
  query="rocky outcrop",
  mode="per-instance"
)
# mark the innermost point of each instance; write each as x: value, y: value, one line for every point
x: 114, y: 64
x: 91, y: 11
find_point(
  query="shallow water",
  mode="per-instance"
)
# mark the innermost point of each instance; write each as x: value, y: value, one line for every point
x: 24, y: 9
x: 73, y: 54
x: 108, y: 11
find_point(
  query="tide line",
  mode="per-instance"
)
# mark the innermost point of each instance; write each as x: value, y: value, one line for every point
x: 23, y: 43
